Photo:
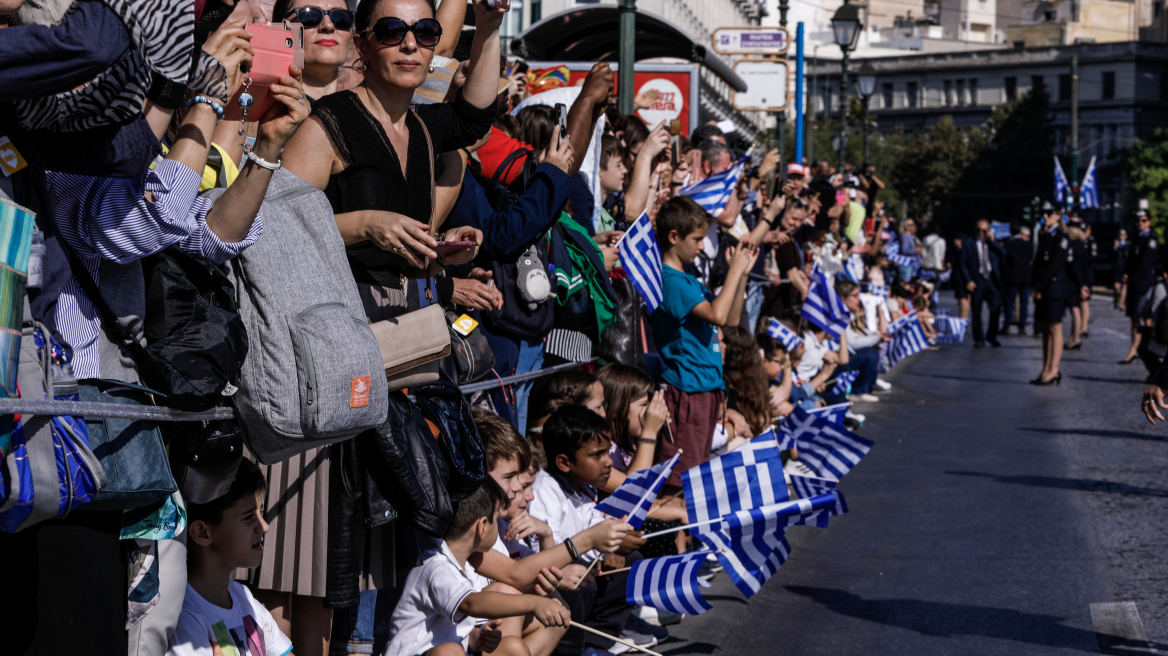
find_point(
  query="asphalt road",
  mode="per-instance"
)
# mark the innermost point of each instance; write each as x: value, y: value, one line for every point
x: 987, y: 519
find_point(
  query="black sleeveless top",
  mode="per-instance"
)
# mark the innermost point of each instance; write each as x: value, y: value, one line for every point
x: 372, y: 178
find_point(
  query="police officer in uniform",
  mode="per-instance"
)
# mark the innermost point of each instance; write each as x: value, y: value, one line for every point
x: 1140, y: 275
x: 1051, y: 291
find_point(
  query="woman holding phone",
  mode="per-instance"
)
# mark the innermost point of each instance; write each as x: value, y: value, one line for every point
x: 328, y: 40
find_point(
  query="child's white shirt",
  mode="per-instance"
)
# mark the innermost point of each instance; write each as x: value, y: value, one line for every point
x: 427, y: 614
x: 247, y: 624
x: 566, y: 511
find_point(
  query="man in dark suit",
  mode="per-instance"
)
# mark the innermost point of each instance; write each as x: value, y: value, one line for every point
x: 1019, y: 259
x: 981, y: 267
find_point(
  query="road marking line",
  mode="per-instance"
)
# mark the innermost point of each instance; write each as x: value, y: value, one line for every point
x: 1119, y: 629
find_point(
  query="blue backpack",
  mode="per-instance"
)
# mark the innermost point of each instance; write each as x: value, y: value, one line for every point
x: 48, y: 468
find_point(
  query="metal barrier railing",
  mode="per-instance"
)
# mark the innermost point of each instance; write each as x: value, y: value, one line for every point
x: 159, y: 413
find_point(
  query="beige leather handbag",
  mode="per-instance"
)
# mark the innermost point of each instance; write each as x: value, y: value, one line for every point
x: 412, y: 344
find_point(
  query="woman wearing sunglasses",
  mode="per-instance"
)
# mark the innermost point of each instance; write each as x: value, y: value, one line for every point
x: 328, y: 40
x: 369, y: 152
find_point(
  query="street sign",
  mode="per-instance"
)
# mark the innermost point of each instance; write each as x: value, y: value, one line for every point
x: 766, y: 82
x: 751, y: 40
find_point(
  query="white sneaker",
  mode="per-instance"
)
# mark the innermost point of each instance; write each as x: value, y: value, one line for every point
x: 796, y: 468
x: 866, y: 398
x: 881, y: 385
x: 857, y: 417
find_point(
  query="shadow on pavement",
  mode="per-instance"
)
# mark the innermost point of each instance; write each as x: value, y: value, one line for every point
x: 944, y: 620
x: 686, y: 648
x: 1118, y: 381
x: 1083, y: 484
x: 972, y: 379
x: 1131, y: 435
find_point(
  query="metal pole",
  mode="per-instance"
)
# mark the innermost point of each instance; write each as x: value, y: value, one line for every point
x: 782, y: 117
x: 1075, y: 132
x: 797, y: 157
x: 628, y: 59
x: 843, y: 110
x: 814, y: 112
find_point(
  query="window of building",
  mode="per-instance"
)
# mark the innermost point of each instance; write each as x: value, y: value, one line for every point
x: 948, y: 97
x: 973, y: 91
x: 910, y: 94
x: 960, y: 93
x: 536, y: 11
x: 1108, y: 85
x: 1064, y: 86
x: 1037, y: 84
x: 886, y: 91
x: 1011, y: 89
x: 1163, y: 87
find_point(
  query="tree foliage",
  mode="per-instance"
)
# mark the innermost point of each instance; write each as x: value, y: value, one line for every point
x: 1147, y: 169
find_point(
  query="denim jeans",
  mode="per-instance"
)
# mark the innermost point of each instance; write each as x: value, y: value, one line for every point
x: 753, y: 305
x: 904, y: 272
x: 530, y: 359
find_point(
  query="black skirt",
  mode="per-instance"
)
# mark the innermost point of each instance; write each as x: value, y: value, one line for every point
x: 1049, y: 310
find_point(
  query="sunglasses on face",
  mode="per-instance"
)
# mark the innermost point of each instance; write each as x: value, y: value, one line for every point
x: 390, y: 31
x: 311, y: 17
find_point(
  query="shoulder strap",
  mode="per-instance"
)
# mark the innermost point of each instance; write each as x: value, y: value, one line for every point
x: 109, y: 318
x: 433, y: 197
x: 507, y: 162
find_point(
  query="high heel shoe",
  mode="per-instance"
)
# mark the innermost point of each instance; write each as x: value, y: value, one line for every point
x: 1128, y: 361
x: 1076, y: 347
x: 1057, y: 380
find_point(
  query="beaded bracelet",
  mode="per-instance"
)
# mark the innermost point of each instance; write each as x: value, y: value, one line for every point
x: 204, y: 99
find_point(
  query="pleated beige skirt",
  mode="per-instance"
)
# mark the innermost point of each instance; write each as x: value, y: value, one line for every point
x: 296, y: 546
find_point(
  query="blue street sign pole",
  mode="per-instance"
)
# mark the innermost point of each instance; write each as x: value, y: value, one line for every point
x: 798, y: 156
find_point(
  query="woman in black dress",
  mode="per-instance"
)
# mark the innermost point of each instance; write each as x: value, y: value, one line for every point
x: 1079, y: 276
x: 1051, y: 292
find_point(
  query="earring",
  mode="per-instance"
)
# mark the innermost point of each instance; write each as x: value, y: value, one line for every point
x: 431, y: 68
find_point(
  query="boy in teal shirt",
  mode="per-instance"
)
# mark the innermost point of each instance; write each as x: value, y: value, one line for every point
x: 685, y: 329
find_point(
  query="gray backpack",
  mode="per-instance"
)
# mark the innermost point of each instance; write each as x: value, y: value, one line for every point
x: 314, y: 374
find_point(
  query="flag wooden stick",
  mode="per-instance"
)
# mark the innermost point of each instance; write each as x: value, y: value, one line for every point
x: 605, y: 635
x: 586, y: 573
x: 681, y: 528
x: 671, y: 498
x: 614, y: 571
x: 669, y: 433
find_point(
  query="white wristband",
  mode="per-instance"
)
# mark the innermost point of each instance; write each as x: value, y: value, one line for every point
x: 263, y: 163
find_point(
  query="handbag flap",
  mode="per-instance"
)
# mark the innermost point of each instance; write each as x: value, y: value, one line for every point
x: 412, y: 339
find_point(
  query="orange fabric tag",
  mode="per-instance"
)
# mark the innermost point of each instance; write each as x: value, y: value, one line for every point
x: 359, y: 393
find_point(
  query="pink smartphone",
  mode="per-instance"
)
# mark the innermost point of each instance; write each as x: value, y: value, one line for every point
x: 445, y: 248
x: 276, y: 48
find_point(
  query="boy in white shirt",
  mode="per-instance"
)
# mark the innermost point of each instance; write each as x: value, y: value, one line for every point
x: 219, y: 613
x: 576, y: 442
x: 440, y: 600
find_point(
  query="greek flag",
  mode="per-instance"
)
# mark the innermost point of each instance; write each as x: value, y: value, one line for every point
x: 808, y: 487
x: 669, y: 583
x: 833, y: 413
x: 713, y: 192
x: 854, y: 268
x: 892, y: 247
x: 827, y: 449
x: 877, y: 290
x: 908, y: 338
x: 750, y: 543
x: 951, y: 330
x: 1090, y: 189
x: 748, y: 477
x: 905, y: 260
x: 641, y: 258
x: 945, y: 275
x: 844, y: 382
x: 1062, y: 188
x: 824, y: 307
x: 635, y: 496
x: 785, y: 335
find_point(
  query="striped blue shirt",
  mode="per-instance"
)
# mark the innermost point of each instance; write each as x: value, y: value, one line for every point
x: 111, y: 219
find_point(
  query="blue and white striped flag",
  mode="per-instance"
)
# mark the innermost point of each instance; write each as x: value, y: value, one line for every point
x: 906, y: 260
x: 808, y: 487
x: 908, y: 338
x: 844, y: 382
x: 945, y: 275
x: 824, y: 308
x: 785, y: 335
x: 1090, y: 189
x: 854, y: 268
x: 669, y: 583
x: 951, y: 330
x: 747, y: 477
x: 641, y: 259
x: 828, y: 450
x: 713, y: 192
x: 893, y: 246
x: 1062, y: 188
x: 636, y: 495
x: 833, y: 413
x: 877, y: 290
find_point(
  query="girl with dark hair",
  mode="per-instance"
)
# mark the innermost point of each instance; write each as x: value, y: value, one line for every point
x: 636, y: 413
x: 746, y: 379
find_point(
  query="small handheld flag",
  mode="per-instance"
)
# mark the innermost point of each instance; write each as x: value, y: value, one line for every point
x: 785, y: 335
x: 824, y: 308
x: 747, y: 477
x: 670, y: 583
x: 908, y: 338
x: 635, y: 496
x: 833, y: 413
x: 713, y: 192
x: 827, y: 449
x: 844, y: 382
x: 641, y: 258
x: 877, y: 290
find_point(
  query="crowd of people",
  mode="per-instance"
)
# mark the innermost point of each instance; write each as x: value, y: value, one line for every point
x: 404, y: 517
